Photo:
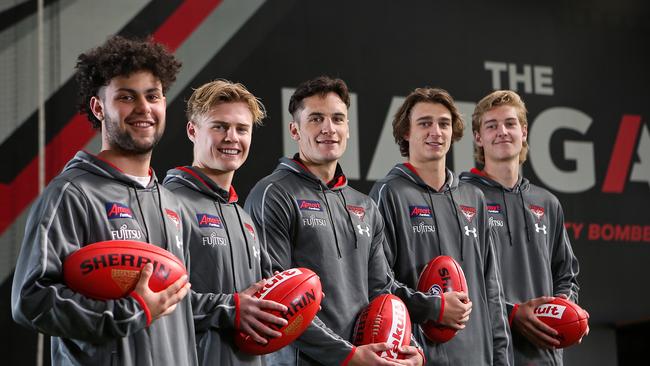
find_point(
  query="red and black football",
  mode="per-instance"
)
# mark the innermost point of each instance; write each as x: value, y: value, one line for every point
x: 384, y: 320
x: 299, y: 289
x: 442, y: 274
x: 566, y: 317
x: 110, y: 269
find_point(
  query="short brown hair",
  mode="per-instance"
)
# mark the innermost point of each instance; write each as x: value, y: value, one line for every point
x: 120, y: 56
x: 493, y: 100
x: 321, y: 85
x: 402, y: 119
x: 219, y: 91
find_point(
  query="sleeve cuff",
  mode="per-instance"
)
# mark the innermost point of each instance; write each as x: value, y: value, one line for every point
x: 347, y: 359
x: 424, y: 359
x: 512, y: 314
x: 236, y: 298
x: 442, y: 308
x: 144, y: 306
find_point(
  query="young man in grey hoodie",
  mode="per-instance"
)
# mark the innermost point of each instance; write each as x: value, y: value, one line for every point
x: 535, y: 253
x: 428, y: 214
x: 227, y: 262
x: 111, y: 195
x: 309, y: 217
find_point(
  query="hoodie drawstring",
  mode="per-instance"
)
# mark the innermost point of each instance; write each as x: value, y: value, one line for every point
x: 460, y: 229
x: 329, y: 213
x: 241, y: 227
x: 217, y: 205
x: 345, y: 205
x: 435, y: 221
x: 505, y: 213
x: 162, y: 215
x: 523, y: 212
x: 144, y: 222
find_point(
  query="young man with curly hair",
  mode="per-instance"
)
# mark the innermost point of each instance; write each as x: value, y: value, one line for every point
x: 428, y: 214
x: 122, y: 86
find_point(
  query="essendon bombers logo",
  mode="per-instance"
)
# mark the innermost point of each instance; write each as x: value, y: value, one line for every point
x: 250, y: 229
x: 468, y: 212
x: 115, y: 210
x: 206, y: 220
x: 358, y: 211
x: 494, y: 208
x: 550, y: 311
x: 174, y: 217
x: 537, y: 211
x: 309, y: 205
x: 419, y: 211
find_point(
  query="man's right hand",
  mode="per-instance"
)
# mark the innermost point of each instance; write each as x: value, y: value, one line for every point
x: 164, y: 302
x: 253, y: 315
x: 457, y: 310
x: 526, y: 323
x: 367, y: 355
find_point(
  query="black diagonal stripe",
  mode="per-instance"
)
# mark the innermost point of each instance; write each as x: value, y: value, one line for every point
x: 22, y: 144
x: 15, y: 14
x: 229, y: 63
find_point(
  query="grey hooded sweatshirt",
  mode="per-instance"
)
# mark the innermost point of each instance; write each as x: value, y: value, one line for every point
x: 534, y: 252
x: 225, y: 259
x: 92, y: 201
x: 338, y: 233
x: 421, y: 224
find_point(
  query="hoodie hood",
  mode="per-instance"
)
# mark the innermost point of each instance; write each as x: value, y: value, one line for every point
x: 193, y: 178
x: 96, y: 165
x: 408, y: 171
x: 297, y: 167
x: 479, y: 176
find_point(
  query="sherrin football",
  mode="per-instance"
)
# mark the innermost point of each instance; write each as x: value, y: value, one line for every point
x: 384, y: 320
x: 299, y: 289
x: 442, y: 274
x: 569, y: 319
x: 110, y: 269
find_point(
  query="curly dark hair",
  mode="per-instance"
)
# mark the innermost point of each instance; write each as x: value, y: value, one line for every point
x: 120, y: 56
x: 321, y: 85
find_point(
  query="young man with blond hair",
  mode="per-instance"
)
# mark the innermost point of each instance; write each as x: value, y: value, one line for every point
x: 534, y: 251
x: 226, y: 259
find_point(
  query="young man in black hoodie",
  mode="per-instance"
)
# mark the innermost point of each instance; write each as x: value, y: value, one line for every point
x: 536, y: 258
x: 428, y: 214
x: 227, y: 262
x: 122, y: 86
x: 309, y: 217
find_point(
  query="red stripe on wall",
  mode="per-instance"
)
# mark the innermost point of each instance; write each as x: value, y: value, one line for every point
x: 77, y: 133
x: 619, y: 165
x: 183, y: 22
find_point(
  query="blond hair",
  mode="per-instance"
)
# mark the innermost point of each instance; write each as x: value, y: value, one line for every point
x: 491, y: 101
x: 208, y: 95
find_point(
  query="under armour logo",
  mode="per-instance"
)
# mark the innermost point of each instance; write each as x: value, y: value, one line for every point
x: 365, y: 230
x: 179, y: 242
x: 256, y: 252
x: 467, y: 231
x: 542, y: 228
